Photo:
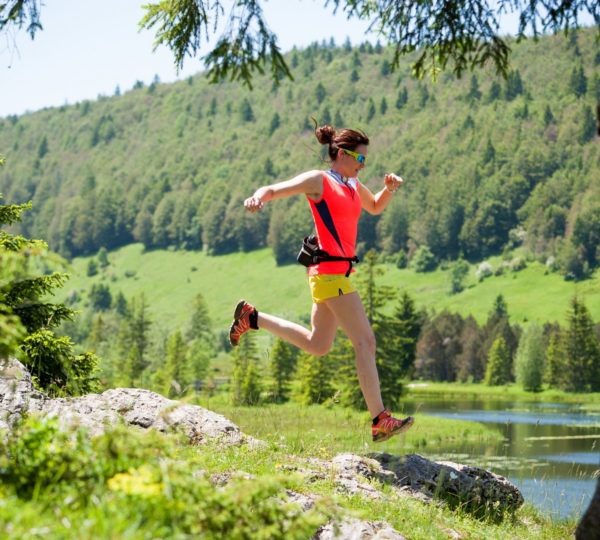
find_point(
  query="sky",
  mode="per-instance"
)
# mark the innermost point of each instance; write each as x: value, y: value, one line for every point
x: 89, y: 47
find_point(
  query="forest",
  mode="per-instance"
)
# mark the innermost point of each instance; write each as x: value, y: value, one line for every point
x: 489, y: 163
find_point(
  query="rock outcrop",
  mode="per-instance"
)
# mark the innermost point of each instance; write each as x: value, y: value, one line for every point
x: 475, y: 490
x: 133, y: 406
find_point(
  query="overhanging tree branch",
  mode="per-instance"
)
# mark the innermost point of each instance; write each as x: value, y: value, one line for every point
x: 449, y: 34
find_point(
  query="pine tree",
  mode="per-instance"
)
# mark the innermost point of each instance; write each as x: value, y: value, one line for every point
x: 275, y: 123
x: 405, y: 327
x: 283, y: 365
x: 385, y: 68
x: 375, y: 297
x: 555, y: 361
x: 371, y: 110
x: 402, y: 98
x: 320, y: 93
x: 27, y: 318
x: 578, y: 81
x: 474, y: 92
x: 383, y: 106
x: 200, y: 325
x: 178, y: 373
x: 582, y: 351
x: 587, y: 124
x: 513, y: 85
x: 499, y: 364
x: 134, y: 340
x: 548, y: 116
x: 246, y: 385
x: 246, y: 112
x: 315, y: 379
x: 529, y: 359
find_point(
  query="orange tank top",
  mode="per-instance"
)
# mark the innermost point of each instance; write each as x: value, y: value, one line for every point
x: 336, y: 216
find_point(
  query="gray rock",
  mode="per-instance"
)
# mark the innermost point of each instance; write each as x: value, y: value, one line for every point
x: 473, y: 489
x: 133, y: 406
x: 354, y: 529
x: 350, y: 469
x: 17, y: 394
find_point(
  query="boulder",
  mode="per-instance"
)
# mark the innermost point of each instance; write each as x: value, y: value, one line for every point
x: 475, y: 490
x: 133, y: 406
x: 354, y: 529
x: 17, y: 393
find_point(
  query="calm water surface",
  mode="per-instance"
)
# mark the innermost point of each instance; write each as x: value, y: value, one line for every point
x: 551, y: 451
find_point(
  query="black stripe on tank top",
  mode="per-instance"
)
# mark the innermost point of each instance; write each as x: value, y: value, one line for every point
x: 325, y: 214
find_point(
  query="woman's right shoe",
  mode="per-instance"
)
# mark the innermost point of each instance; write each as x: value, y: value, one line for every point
x: 388, y: 426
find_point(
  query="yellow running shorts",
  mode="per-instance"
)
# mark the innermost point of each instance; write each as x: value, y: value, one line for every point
x: 324, y: 286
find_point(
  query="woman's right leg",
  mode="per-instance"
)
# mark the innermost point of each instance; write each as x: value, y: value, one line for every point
x: 317, y: 340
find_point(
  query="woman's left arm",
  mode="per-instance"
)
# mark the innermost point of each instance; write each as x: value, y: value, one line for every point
x: 375, y: 204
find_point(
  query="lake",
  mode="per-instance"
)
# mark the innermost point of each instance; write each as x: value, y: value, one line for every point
x: 550, y: 451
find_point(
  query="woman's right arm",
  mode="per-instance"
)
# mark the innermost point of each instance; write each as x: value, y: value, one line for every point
x: 309, y: 183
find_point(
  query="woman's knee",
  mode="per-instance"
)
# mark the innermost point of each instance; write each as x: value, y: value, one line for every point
x: 365, y: 344
x: 319, y: 349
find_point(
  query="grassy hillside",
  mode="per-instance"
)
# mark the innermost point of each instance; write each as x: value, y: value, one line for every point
x: 170, y: 280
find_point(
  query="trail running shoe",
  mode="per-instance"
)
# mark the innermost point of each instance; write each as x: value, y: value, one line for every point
x: 241, y: 322
x: 388, y: 426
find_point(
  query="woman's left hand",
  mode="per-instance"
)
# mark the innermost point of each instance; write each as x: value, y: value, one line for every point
x: 393, y: 182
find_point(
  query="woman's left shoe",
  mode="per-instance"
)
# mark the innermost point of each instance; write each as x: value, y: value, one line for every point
x: 241, y: 322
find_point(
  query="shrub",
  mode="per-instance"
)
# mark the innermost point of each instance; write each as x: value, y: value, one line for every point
x: 424, y: 260
x: 137, y: 485
x: 485, y: 269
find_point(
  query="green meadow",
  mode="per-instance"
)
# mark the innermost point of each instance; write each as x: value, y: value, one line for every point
x: 171, y: 279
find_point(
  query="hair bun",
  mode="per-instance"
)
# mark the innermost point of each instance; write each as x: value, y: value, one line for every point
x: 325, y: 134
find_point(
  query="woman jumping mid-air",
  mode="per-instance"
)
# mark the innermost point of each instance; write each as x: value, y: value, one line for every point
x: 336, y: 198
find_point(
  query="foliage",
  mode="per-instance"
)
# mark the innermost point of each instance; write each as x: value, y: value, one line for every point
x: 458, y: 272
x: 141, y: 482
x: 498, y: 369
x: 581, y: 351
x: 283, y: 364
x: 423, y: 260
x: 26, y: 319
x: 465, y: 198
x: 314, y: 379
x: 246, y: 383
x: 529, y: 360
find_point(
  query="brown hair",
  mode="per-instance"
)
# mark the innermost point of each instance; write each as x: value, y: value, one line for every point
x: 345, y: 138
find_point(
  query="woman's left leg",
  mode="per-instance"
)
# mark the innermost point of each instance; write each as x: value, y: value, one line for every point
x: 350, y: 314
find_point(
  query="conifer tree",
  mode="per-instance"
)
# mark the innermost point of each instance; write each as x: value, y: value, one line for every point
x: 582, y: 351
x: 246, y: 383
x: 405, y: 327
x: 391, y: 367
x: 529, y: 359
x: 27, y: 318
x: 474, y: 92
x: 555, y: 361
x: 178, y: 373
x: 499, y: 366
x: 315, y: 379
x: 283, y: 365
x: 320, y: 93
x: 200, y: 325
x: 578, y: 81
x: 402, y: 98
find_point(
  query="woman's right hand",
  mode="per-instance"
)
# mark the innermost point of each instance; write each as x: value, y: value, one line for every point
x: 253, y: 204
